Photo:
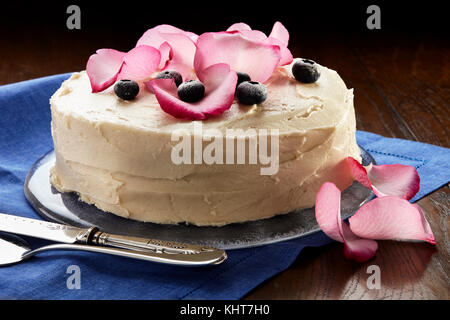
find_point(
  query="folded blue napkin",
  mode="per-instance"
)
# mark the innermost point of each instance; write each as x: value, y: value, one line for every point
x: 25, y: 136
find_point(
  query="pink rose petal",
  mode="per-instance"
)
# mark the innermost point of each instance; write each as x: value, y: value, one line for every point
x: 181, y: 42
x: 239, y: 27
x: 183, y: 51
x: 165, y: 29
x: 395, y: 180
x: 103, y: 67
x: 156, y: 36
x: 356, y: 248
x: 391, y: 218
x: 280, y: 33
x: 328, y: 216
x: 256, y: 59
x: 279, y: 36
x: 220, y: 84
x: 387, y: 180
x: 166, y: 54
x: 358, y: 172
x: 247, y: 32
x: 140, y: 63
x: 286, y: 55
x: 328, y: 211
x: 254, y: 35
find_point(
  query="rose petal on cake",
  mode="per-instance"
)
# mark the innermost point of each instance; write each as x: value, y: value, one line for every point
x: 247, y: 32
x: 166, y: 54
x: 280, y: 33
x: 280, y: 36
x: 255, y: 58
x: 286, y: 55
x: 220, y: 84
x: 181, y: 42
x: 254, y: 35
x: 140, y: 63
x: 387, y: 180
x: 328, y: 216
x: 391, y: 218
x: 192, y: 36
x: 183, y: 52
x: 239, y: 27
x: 166, y: 28
x: 155, y: 36
x: 103, y: 67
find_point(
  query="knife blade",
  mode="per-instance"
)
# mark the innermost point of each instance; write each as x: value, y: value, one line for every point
x: 40, y: 229
x: 92, y: 236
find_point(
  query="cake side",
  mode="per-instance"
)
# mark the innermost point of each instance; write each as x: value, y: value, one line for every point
x: 117, y: 154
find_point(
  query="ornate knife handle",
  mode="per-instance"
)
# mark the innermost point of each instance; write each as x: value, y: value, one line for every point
x: 94, y: 236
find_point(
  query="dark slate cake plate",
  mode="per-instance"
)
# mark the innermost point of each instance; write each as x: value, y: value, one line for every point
x: 66, y: 208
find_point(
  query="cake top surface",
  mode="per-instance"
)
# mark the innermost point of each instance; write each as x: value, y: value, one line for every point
x: 237, y: 78
x: 290, y: 105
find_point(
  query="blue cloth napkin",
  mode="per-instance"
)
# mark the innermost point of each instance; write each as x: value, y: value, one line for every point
x: 25, y: 136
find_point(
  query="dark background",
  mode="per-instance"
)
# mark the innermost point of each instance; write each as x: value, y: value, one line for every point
x: 39, y: 27
x: 407, y: 18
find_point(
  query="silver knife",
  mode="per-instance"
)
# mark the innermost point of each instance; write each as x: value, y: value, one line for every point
x: 164, y: 251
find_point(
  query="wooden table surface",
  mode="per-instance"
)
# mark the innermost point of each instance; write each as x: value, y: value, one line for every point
x: 402, y: 89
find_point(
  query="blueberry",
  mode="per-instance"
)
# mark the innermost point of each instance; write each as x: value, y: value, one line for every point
x: 126, y: 89
x: 305, y: 71
x: 242, y: 76
x: 251, y: 92
x: 191, y: 91
x: 167, y: 74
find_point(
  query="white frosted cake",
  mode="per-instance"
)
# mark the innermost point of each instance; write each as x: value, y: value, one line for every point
x: 118, y: 155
